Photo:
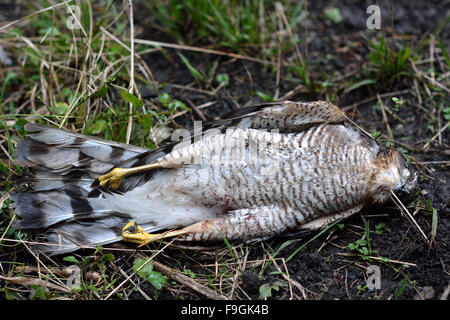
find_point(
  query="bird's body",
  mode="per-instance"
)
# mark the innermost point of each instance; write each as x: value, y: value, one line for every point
x: 242, y: 183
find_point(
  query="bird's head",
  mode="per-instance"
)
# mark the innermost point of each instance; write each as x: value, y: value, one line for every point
x: 392, y: 173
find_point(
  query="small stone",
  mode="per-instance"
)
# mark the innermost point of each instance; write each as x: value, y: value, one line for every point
x: 426, y: 293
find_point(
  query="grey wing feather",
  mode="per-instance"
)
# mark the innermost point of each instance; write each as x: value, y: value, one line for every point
x: 55, y: 196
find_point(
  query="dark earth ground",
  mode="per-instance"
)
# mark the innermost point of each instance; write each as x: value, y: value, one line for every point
x: 325, y: 268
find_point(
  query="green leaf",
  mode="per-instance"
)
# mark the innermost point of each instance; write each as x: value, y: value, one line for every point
x: 360, y: 84
x: 177, y: 104
x: 446, y: 113
x: 9, y: 77
x: 60, y: 108
x: 197, y: 75
x: 9, y: 294
x: 375, y: 134
x: 444, y: 52
x: 144, y: 269
x: 108, y: 257
x: 4, y: 169
x: 223, y: 79
x: 39, y: 293
x: 71, y: 259
x: 101, y: 93
x: 131, y: 98
x: 361, y: 242
x: 98, y: 127
x: 165, y: 99
x: 157, y: 280
x: 265, y: 291
x: 230, y: 250
x: 434, y: 223
x: 364, y: 251
x: 20, y: 125
x: 401, y: 289
x: 333, y: 14
x: 147, y: 121
x: 264, y: 96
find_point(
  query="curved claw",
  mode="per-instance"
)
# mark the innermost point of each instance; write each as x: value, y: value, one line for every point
x: 135, y: 233
x: 115, y: 176
x: 112, y: 178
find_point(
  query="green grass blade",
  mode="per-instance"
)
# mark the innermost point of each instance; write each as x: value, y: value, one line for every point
x: 359, y: 84
x: 197, y: 75
x: 311, y: 240
x: 444, y: 52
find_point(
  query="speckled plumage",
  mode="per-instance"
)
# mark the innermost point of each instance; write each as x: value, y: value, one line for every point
x: 243, y: 182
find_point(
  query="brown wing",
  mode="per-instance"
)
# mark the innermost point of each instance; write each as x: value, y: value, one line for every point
x: 286, y: 116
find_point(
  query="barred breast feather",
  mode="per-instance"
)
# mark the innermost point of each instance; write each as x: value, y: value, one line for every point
x: 259, y: 172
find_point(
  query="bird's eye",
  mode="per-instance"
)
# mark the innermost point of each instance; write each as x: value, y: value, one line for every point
x: 407, y: 174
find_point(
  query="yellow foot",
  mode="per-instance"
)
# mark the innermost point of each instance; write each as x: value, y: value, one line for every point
x: 115, y: 176
x: 134, y: 233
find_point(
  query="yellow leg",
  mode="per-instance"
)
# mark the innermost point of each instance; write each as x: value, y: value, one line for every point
x: 134, y: 233
x: 115, y: 176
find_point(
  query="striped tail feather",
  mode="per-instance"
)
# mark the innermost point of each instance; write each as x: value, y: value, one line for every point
x: 55, y: 197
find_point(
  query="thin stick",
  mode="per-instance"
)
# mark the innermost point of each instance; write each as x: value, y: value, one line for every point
x: 446, y: 292
x: 202, y: 50
x: 385, y: 119
x: 123, y: 273
x: 408, y: 215
x: 427, y: 145
x: 356, y: 125
x: 32, y: 14
x: 286, y: 276
x: 28, y: 281
x: 187, y: 281
x: 350, y: 254
x: 78, y: 246
x: 142, y: 266
x: 131, y: 88
x: 384, y: 95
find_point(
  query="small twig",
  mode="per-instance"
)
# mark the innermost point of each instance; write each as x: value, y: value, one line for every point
x: 408, y: 215
x: 32, y: 14
x: 351, y: 254
x: 142, y: 266
x: 188, y: 282
x: 202, y: 50
x: 132, y: 282
x: 64, y: 272
x: 384, y: 95
x: 131, y: 88
x: 197, y: 110
x: 286, y: 276
x: 28, y: 281
x: 205, y: 105
x: 427, y: 145
x: 385, y: 119
x: 130, y: 250
x: 446, y: 292
x: 356, y: 125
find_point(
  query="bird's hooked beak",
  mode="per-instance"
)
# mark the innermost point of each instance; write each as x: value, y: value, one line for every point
x: 394, y: 174
x: 410, y: 185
